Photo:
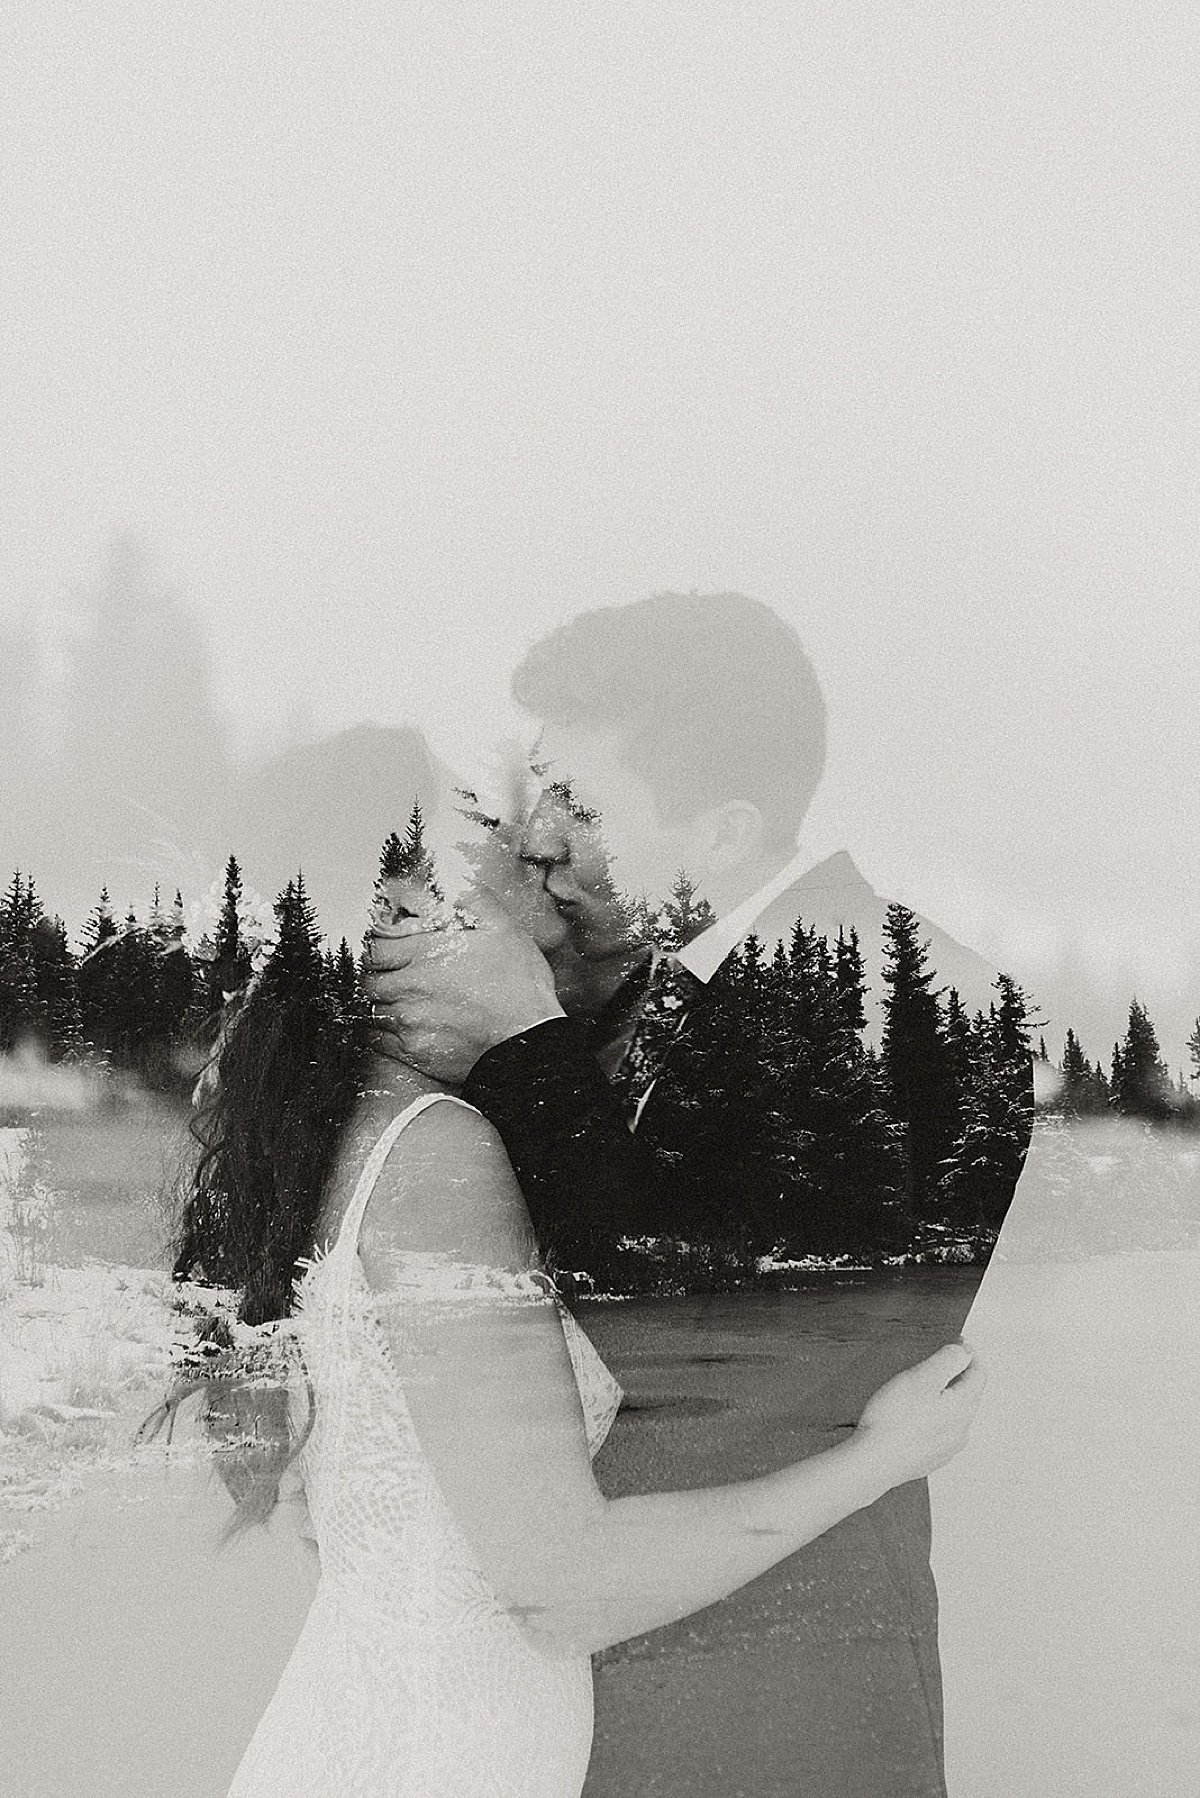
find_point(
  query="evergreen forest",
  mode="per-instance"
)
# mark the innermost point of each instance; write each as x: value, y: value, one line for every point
x: 781, y: 1133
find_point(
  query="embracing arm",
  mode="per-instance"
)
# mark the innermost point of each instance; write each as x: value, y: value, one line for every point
x: 488, y: 1383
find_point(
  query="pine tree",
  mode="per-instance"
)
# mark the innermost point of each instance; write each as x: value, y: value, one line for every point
x: 1013, y: 1026
x: 391, y: 858
x: 101, y: 926
x: 1144, y: 1086
x: 1085, y: 1090
x: 177, y: 986
x: 980, y: 1173
x: 1074, y: 1096
x: 851, y: 980
x: 957, y: 1034
x: 297, y: 959
x: 57, y: 983
x: 715, y: 1126
x: 683, y: 914
x: 18, y: 981
x: 1117, y: 1074
x: 347, y: 985
x: 97, y: 983
x: 157, y: 927
x: 1101, y: 1090
x: 408, y: 862
x: 920, y: 1078
x: 132, y: 1021
x: 1193, y: 1044
x: 768, y: 1119
x: 38, y: 999
x: 850, y: 1196
x: 418, y: 863
x: 229, y: 969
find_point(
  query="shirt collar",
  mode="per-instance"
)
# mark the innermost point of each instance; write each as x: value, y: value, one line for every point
x: 705, y: 953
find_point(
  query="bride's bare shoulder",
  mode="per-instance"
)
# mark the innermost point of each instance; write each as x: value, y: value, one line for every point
x: 448, y: 1185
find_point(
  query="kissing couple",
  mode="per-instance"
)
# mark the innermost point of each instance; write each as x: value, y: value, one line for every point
x: 402, y: 1211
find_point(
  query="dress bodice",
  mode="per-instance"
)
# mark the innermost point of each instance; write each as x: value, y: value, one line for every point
x: 411, y: 1678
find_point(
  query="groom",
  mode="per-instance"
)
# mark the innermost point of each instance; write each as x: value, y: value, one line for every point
x: 682, y: 733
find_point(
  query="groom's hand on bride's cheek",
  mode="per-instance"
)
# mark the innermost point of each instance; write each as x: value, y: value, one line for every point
x: 442, y: 998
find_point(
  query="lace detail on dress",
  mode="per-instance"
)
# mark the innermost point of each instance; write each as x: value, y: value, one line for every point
x: 410, y: 1678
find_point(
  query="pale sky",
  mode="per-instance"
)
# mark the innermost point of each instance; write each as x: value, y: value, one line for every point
x: 397, y: 332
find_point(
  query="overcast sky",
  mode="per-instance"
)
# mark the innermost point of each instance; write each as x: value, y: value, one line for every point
x: 397, y: 332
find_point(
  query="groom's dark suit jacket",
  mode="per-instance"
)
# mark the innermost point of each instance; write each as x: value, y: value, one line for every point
x: 821, y: 1678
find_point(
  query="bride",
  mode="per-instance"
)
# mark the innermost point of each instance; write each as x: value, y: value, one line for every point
x: 470, y: 1564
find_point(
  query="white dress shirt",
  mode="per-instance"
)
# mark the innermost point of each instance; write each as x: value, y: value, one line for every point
x: 705, y: 953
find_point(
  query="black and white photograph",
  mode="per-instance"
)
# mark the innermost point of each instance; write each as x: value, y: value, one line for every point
x: 599, y: 955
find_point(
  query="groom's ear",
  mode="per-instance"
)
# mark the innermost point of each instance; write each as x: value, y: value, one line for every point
x: 729, y: 835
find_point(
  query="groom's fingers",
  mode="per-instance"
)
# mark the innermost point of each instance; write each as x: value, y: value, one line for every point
x: 390, y: 950
x: 945, y: 1367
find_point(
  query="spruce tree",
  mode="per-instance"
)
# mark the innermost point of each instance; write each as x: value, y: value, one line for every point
x: 980, y: 1173
x: 407, y: 861
x: 768, y: 1119
x: 1193, y: 1044
x: 18, y: 981
x: 133, y: 1024
x: 1013, y: 1026
x: 417, y: 860
x: 347, y: 985
x: 851, y: 980
x: 920, y: 1078
x: 1144, y: 1087
x: 177, y: 986
x: 229, y: 969
x: 1075, y: 1094
x: 38, y: 999
x: 1085, y: 1090
x: 391, y: 858
x: 1101, y: 1091
x: 57, y: 982
x: 956, y: 1030
x: 849, y: 1198
x: 97, y: 983
x: 683, y: 914
x: 297, y: 959
x: 715, y: 1126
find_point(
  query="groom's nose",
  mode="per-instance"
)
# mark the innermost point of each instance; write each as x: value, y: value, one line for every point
x: 544, y: 837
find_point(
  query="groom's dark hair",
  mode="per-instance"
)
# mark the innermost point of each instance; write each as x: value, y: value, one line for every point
x: 714, y: 693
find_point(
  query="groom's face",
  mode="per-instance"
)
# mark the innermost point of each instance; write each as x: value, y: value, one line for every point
x: 595, y: 835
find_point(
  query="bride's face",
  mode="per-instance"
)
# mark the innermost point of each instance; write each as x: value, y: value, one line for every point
x: 596, y: 836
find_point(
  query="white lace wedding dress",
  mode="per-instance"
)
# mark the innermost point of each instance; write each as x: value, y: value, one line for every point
x: 409, y: 1679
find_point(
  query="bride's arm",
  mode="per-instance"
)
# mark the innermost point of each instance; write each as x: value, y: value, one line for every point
x: 489, y: 1385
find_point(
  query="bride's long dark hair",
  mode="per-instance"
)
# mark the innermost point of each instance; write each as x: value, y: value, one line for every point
x: 287, y: 1072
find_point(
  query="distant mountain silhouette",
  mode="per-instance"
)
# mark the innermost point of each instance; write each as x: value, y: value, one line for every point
x: 835, y: 894
x: 325, y: 808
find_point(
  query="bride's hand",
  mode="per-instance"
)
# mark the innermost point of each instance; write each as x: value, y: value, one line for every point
x: 922, y: 1417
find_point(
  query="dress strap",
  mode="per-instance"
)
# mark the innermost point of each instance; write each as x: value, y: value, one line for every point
x: 351, y: 1224
x: 346, y: 1242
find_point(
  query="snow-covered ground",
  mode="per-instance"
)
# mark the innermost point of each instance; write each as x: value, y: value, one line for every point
x: 82, y: 1355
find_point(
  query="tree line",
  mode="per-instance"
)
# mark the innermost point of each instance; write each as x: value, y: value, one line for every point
x: 778, y: 1128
